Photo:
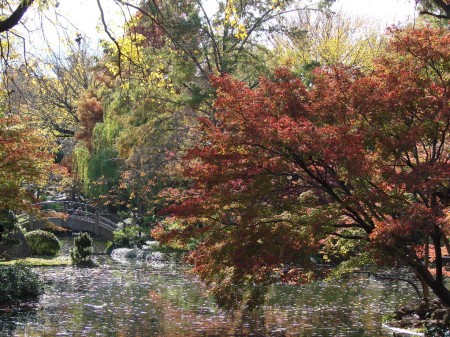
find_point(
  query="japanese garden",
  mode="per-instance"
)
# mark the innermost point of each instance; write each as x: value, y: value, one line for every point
x: 224, y: 168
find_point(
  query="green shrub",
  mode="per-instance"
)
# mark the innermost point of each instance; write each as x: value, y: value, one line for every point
x: 129, y: 237
x: 109, y: 247
x: 18, y: 282
x: 43, y: 243
x: 82, y: 250
x: 8, y: 219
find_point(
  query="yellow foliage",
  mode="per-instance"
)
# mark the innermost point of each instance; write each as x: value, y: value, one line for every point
x: 241, y: 32
x: 328, y: 39
x: 232, y: 19
x: 276, y: 4
x: 130, y: 51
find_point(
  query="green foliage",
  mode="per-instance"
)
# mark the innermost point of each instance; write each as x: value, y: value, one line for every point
x: 81, y: 165
x: 98, y: 170
x: 128, y: 237
x: 8, y: 220
x: 40, y: 261
x: 82, y: 250
x: 364, y: 260
x: 9, y: 223
x: 103, y: 171
x: 109, y: 247
x: 389, y: 317
x: 337, y: 249
x: 105, y: 133
x: 43, y: 243
x: 18, y: 282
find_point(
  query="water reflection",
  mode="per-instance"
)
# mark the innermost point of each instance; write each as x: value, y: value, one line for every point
x: 157, y: 297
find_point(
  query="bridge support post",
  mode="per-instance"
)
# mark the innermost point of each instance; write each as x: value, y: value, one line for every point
x: 97, y: 222
x: 65, y: 211
x: 31, y: 222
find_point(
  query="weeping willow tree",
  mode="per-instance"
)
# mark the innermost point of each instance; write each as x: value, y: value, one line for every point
x: 98, y: 169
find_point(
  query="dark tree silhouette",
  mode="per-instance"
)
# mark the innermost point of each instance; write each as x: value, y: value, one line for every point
x: 15, y: 16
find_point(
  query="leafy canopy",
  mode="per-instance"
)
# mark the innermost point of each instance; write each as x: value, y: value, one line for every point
x: 26, y: 162
x: 282, y: 167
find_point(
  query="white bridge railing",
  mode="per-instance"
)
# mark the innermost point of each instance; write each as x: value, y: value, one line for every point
x: 77, y: 213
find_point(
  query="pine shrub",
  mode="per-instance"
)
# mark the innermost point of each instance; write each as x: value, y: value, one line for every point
x: 82, y: 250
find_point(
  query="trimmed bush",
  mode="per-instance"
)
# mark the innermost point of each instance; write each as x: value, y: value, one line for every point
x: 82, y: 250
x: 43, y: 243
x: 18, y: 283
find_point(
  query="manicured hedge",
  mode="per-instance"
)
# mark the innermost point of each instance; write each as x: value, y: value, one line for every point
x: 43, y: 243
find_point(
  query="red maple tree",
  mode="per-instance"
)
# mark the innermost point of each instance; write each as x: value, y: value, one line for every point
x: 26, y: 163
x: 283, y: 166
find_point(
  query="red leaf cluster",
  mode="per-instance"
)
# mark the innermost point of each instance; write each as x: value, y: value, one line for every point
x: 371, y: 148
x: 90, y: 112
x: 25, y: 162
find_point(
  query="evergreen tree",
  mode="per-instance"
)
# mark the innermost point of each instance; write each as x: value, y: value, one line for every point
x: 82, y: 250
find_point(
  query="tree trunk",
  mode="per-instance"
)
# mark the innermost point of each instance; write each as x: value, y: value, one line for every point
x: 426, y: 262
x: 436, y: 237
x: 438, y: 288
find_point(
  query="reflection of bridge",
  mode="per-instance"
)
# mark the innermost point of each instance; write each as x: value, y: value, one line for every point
x: 75, y: 216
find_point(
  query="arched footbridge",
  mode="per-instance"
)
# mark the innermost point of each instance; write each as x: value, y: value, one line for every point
x: 77, y: 216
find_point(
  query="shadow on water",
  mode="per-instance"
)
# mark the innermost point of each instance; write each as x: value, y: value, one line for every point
x: 148, y: 294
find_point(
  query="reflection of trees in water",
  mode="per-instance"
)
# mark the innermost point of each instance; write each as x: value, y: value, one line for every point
x: 353, y: 306
x: 141, y: 300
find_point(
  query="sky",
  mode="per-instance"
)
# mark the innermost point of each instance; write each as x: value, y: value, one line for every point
x: 388, y: 12
x: 84, y: 16
x: 85, y: 13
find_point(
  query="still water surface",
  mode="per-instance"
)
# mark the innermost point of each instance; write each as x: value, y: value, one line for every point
x: 157, y: 297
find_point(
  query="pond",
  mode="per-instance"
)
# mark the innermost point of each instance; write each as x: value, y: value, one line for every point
x: 158, y: 297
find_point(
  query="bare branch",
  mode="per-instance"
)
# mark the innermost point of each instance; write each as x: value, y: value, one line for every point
x: 15, y: 17
x: 105, y: 26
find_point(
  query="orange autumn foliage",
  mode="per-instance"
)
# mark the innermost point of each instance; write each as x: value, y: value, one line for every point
x: 282, y: 166
x: 26, y: 162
